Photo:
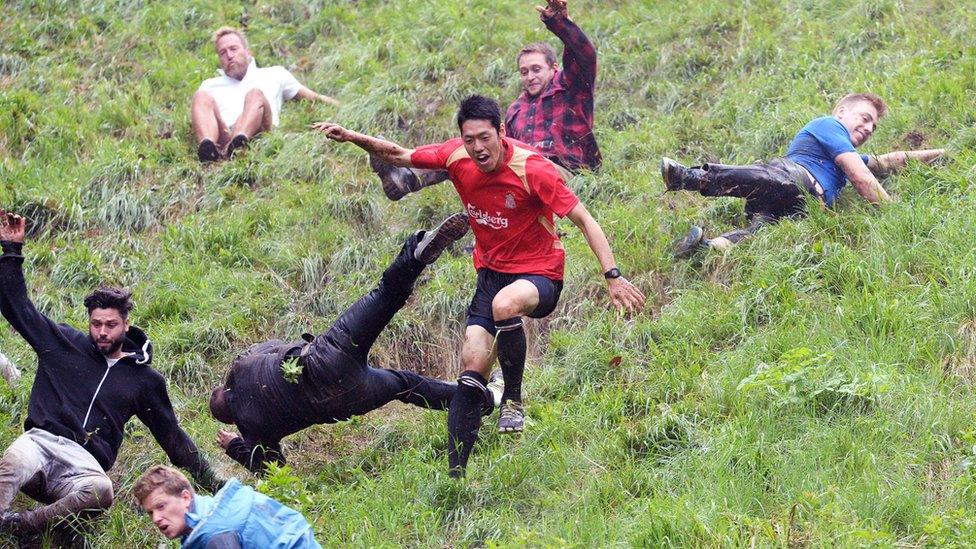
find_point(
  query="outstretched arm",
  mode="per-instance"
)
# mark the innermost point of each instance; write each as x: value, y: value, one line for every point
x: 579, y: 55
x: 387, y: 150
x: 885, y: 164
x: 622, y: 292
x: 255, y: 457
x: 865, y: 183
x: 306, y: 93
x: 15, y: 304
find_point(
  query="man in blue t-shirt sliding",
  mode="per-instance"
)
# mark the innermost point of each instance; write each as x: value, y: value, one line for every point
x: 820, y: 161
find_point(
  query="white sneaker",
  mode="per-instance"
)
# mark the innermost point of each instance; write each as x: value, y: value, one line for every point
x: 496, y: 384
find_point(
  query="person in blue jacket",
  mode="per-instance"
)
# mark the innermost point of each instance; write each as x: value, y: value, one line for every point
x: 821, y: 159
x: 237, y: 516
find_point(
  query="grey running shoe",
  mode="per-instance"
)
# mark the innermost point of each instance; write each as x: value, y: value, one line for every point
x: 511, y: 419
x: 496, y: 385
x: 397, y: 182
x: 691, y: 243
x: 437, y: 240
x: 671, y: 173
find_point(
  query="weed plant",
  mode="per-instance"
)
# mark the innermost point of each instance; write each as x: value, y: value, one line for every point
x: 811, y: 387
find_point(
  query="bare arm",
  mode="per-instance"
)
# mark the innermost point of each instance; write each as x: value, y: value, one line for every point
x: 305, y: 93
x: 865, y: 183
x: 622, y: 292
x: 387, y: 150
x: 885, y: 164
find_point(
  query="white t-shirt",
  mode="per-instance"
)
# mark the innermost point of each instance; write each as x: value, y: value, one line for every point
x: 276, y: 83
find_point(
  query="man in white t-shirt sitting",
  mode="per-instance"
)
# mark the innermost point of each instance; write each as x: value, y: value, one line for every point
x: 243, y: 101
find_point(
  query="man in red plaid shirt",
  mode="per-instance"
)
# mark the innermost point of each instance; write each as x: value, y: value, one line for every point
x: 554, y: 112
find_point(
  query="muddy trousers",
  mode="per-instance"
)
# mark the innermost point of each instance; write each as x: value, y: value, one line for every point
x: 772, y: 191
x: 338, y: 358
x: 55, y: 471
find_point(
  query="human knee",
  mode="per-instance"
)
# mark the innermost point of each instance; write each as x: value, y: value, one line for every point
x: 475, y: 359
x: 504, y: 308
x: 254, y: 96
x: 203, y: 98
x: 97, y: 494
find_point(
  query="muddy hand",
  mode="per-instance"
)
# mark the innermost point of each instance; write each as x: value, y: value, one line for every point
x: 333, y: 131
x: 224, y: 438
x: 12, y: 226
x: 556, y: 8
x: 624, y: 295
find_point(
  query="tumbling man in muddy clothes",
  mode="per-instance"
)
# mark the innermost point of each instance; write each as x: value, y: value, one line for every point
x: 511, y: 193
x: 86, y: 389
x: 819, y: 161
x: 553, y: 114
x: 335, y: 383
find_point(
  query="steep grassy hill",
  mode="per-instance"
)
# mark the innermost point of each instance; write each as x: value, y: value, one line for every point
x: 813, y: 387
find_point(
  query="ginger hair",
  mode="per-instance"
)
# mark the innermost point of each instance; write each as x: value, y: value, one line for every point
x: 172, y: 481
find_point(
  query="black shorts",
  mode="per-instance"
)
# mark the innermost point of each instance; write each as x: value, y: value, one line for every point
x: 491, y: 282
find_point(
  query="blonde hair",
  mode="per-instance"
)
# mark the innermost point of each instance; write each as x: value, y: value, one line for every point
x: 169, y: 479
x: 224, y: 31
x: 877, y: 102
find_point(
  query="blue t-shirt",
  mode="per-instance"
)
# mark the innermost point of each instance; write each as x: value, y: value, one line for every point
x: 816, y: 146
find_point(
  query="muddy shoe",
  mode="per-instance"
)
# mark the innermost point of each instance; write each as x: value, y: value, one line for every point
x: 435, y: 241
x: 397, y: 182
x: 207, y: 151
x: 496, y: 386
x: 677, y: 177
x: 691, y: 243
x: 511, y: 419
x: 239, y: 143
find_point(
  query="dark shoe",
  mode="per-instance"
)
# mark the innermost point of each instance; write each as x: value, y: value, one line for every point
x: 691, y: 243
x: 437, y: 240
x: 397, y: 182
x: 511, y: 419
x: 13, y: 524
x: 207, y: 151
x: 678, y: 177
x: 238, y: 143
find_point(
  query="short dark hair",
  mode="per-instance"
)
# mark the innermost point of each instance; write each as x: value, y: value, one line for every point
x: 538, y: 47
x: 108, y: 297
x: 479, y: 107
x: 877, y: 102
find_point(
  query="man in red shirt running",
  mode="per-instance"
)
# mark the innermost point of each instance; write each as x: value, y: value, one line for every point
x: 553, y: 114
x: 510, y: 193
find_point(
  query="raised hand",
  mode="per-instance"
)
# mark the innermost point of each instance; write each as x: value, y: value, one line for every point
x: 333, y: 131
x: 624, y: 295
x: 12, y: 226
x: 556, y: 8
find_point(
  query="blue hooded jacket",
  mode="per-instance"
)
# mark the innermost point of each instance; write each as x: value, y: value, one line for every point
x: 258, y: 520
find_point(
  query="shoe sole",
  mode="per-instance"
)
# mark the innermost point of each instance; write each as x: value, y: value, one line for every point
x: 511, y: 431
x: 207, y: 152
x: 666, y: 164
x: 239, y: 143
x: 437, y: 240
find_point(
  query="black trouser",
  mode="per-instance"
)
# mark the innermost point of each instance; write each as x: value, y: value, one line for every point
x: 336, y: 360
x: 772, y: 191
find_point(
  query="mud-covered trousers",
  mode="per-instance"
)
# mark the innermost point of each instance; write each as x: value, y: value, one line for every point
x: 55, y: 471
x: 772, y: 191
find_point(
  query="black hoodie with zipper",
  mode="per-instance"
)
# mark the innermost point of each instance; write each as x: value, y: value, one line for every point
x: 76, y: 395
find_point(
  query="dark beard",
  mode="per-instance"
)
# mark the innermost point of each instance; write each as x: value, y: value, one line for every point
x: 111, y: 350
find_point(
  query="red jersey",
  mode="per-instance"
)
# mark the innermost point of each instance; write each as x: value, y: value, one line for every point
x: 510, y: 209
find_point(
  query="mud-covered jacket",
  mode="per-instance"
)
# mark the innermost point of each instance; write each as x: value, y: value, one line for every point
x: 76, y: 395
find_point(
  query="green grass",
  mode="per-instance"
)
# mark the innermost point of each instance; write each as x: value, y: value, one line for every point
x: 812, y: 387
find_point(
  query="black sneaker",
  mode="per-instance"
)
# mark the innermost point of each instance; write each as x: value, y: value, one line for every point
x: 397, y: 182
x: 511, y: 419
x: 671, y: 173
x: 238, y: 143
x: 691, y: 243
x: 207, y: 151
x: 13, y: 524
x: 435, y: 241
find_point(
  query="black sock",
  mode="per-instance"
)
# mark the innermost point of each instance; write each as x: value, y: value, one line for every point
x: 464, y: 420
x: 511, y: 356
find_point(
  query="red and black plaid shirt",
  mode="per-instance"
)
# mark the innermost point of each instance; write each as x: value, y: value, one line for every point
x: 559, y: 120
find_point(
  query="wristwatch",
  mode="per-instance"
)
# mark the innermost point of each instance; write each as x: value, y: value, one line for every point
x: 612, y: 273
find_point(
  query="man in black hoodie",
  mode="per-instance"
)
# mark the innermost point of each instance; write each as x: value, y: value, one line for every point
x: 277, y: 388
x: 86, y: 389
